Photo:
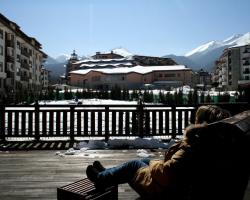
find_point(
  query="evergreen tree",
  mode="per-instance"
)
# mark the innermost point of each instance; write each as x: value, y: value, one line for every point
x: 225, y: 97
x: 195, y: 97
x: 161, y: 97
x: 134, y: 95
x: 208, y: 98
x: 190, y: 98
x: 202, y: 97
x: 57, y: 95
x: 169, y: 98
x: 180, y: 97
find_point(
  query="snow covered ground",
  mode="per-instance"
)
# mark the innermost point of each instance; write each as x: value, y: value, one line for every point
x: 85, y: 149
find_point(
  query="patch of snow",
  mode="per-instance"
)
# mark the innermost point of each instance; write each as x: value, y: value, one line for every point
x: 144, y: 154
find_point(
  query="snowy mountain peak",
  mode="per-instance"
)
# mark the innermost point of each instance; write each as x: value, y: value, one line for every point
x: 204, y: 48
x: 243, y: 40
x: 232, y: 38
x: 235, y: 40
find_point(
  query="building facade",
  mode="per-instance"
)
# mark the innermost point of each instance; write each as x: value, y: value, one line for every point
x: 233, y: 68
x: 202, y: 79
x: 106, y: 70
x: 137, y: 77
x: 21, y: 62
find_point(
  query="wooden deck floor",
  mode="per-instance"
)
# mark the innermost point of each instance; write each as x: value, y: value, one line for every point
x: 35, y: 175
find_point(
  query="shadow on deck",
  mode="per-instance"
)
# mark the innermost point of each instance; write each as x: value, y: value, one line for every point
x: 32, y: 145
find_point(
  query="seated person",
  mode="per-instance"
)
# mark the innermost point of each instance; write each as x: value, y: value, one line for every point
x: 171, y: 176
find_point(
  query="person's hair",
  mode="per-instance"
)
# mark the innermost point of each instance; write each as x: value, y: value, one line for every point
x: 210, y: 113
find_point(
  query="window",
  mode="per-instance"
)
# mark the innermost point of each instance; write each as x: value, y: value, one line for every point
x: 246, y: 77
x: 18, y: 45
x: 1, y: 66
x: 1, y: 50
x: 1, y: 33
x: 169, y: 75
x: 18, y: 58
x: 160, y: 75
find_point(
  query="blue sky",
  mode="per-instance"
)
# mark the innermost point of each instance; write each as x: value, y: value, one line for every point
x: 147, y: 27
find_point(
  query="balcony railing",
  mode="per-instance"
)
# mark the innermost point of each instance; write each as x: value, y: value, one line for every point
x: 94, y: 121
x: 10, y: 43
x: 25, y: 53
x: 25, y: 65
x: 74, y: 121
x: 10, y: 58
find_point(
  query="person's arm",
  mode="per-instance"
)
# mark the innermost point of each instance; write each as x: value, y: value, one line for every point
x: 166, y: 173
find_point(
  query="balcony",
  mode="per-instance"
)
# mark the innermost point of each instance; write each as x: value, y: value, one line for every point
x: 246, y: 72
x: 24, y: 78
x: 10, y: 74
x: 25, y: 53
x: 10, y: 58
x: 10, y: 43
x: 246, y: 55
x: 25, y: 65
x: 246, y: 63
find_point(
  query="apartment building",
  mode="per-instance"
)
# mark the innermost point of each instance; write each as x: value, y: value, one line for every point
x: 21, y: 62
x: 233, y: 68
x: 45, y: 79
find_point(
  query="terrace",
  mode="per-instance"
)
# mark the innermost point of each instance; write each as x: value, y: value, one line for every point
x: 31, y: 168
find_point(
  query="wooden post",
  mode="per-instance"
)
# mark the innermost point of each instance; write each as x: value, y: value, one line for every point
x: 37, y: 134
x: 72, y: 120
x: 140, y: 116
x: 106, y: 123
x: 2, y: 122
x: 173, y: 121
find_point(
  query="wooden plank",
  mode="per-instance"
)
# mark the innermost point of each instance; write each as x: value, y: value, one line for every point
x: 85, y: 130
x: 120, y: 123
x: 58, y: 123
x: 16, y: 123
x: 186, y: 119
x: 179, y: 122
x: 44, y: 123
x: 153, y: 122
x: 173, y: 122
x: 160, y: 122
x: 51, y: 124
x: 65, y: 120
x: 36, y: 175
x: 147, y: 123
x: 167, y: 123
x: 99, y: 123
x: 23, y: 123
x: 113, y: 122
x: 127, y: 125
x: 92, y: 115
x: 30, y: 123
x: 9, y: 123
x: 78, y: 123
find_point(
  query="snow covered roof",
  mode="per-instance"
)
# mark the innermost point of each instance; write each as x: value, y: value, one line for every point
x: 101, y: 60
x: 106, y: 64
x: 137, y: 69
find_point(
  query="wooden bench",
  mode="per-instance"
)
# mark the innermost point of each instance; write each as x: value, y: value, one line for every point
x: 85, y: 189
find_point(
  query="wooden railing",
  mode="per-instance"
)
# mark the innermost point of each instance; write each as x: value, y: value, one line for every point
x: 76, y: 121
x: 73, y: 121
